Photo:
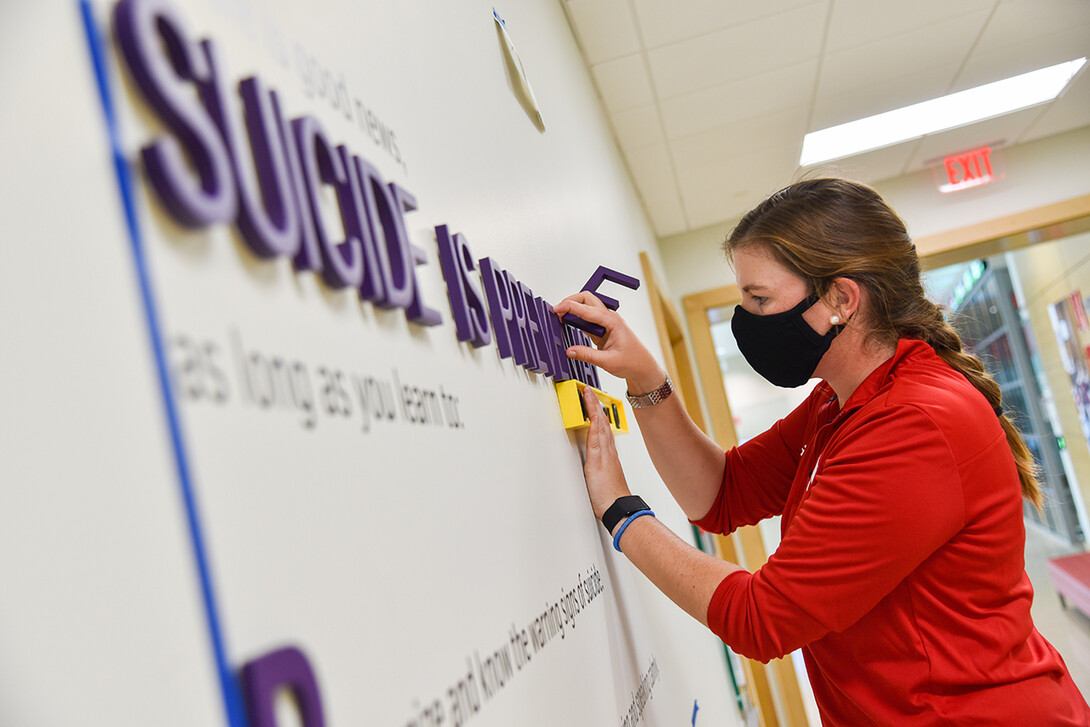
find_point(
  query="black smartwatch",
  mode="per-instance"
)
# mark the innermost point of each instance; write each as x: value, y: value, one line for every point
x: 621, y: 509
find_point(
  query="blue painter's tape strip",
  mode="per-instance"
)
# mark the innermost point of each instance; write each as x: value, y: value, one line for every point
x: 232, y: 695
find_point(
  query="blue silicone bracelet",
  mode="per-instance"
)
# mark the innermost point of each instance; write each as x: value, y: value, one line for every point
x: 620, y: 531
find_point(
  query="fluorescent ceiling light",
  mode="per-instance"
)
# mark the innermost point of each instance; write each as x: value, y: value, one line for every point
x: 938, y: 114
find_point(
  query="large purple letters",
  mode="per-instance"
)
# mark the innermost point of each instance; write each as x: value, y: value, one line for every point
x: 466, y: 304
x: 286, y: 669
x: 144, y: 28
x: 342, y: 262
x: 267, y: 215
x: 279, y: 214
x: 270, y: 181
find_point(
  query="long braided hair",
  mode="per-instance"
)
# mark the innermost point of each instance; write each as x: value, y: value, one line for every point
x: 823, y: 229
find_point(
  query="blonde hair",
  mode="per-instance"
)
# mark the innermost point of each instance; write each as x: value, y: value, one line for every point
x: 823, y: 229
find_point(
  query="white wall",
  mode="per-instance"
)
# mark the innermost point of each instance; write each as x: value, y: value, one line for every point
x: 391, y: 556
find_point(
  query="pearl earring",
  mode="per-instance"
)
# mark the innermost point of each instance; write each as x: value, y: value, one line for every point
x: 834, y: 320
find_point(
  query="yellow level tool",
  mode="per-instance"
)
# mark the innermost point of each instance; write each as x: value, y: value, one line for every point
x: 573, y: 409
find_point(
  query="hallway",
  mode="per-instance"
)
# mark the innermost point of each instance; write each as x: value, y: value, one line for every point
x: 1067, y: 630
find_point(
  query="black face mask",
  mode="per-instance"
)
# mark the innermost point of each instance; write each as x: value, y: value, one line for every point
x: 782, y: 347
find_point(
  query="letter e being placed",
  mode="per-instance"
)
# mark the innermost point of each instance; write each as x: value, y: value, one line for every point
x: 601, y: 275
x: 284, y: 669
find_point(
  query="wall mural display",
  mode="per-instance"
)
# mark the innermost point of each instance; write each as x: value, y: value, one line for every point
x: 373, y: 423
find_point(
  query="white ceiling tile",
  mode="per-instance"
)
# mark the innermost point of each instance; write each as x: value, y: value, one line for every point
x: 737, y: 202
x: 738, y: 52
x: 857, y: 22
x: 1070, y: 111
x: 654, y: 177
x: 651, y: 166
x: 940, y: 45
x: 623, y: 83
x: 663, y: 23
x: 735, y: 197
x: 638, y: 127
x: 667, y: 218
x: 893, y: 92
x: 1029, y: 19
x: 718, y: 146
x: 869, y: 167
x: 606, y: 29
x: 997, y: 132
x: 709, y: 98
x: 742, y: 99
x: 1020, y: 54
x: 713, y: 195
x: 714, y: 192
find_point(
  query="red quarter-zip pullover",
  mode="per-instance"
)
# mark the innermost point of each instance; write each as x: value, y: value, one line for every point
x: 901, y: 569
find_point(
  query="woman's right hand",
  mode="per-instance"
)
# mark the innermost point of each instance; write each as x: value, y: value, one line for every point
x: 619, y: 351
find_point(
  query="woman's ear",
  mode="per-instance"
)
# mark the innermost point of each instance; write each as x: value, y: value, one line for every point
x: 844, y: 297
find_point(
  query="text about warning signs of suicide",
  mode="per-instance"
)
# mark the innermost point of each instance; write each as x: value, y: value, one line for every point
x: 492, y: 667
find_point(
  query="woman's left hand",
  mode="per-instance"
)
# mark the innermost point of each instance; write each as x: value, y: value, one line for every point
x: 602, y: 469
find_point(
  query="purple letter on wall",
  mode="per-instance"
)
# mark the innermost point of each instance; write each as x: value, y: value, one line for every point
x: 601, y: 275
x: 384, y: 219
x: 145, y: 28
x: 417, y: 311
x: 375, y: 279
x: 288, y: 669
x: 343, y: 261
x: 466, y: 307
x: 270, y: 227
x: 554, y: 343
x: 500, y: 308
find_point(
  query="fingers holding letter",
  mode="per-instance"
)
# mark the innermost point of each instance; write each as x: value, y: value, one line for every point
x: 619, y: 351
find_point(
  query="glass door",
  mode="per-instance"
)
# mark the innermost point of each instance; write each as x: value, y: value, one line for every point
x: 987, y: 318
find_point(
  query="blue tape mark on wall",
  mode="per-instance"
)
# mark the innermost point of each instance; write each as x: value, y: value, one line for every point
x: 232, y: 696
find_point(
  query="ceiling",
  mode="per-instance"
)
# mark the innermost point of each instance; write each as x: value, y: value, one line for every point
x: 709, y: 99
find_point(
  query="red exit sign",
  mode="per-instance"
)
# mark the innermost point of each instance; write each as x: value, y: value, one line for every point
x: 968, y: 169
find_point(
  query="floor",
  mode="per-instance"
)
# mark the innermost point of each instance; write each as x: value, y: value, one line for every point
x: 1068, y: 631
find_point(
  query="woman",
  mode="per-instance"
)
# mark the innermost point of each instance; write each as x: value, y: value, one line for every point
x: 900, y: 572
